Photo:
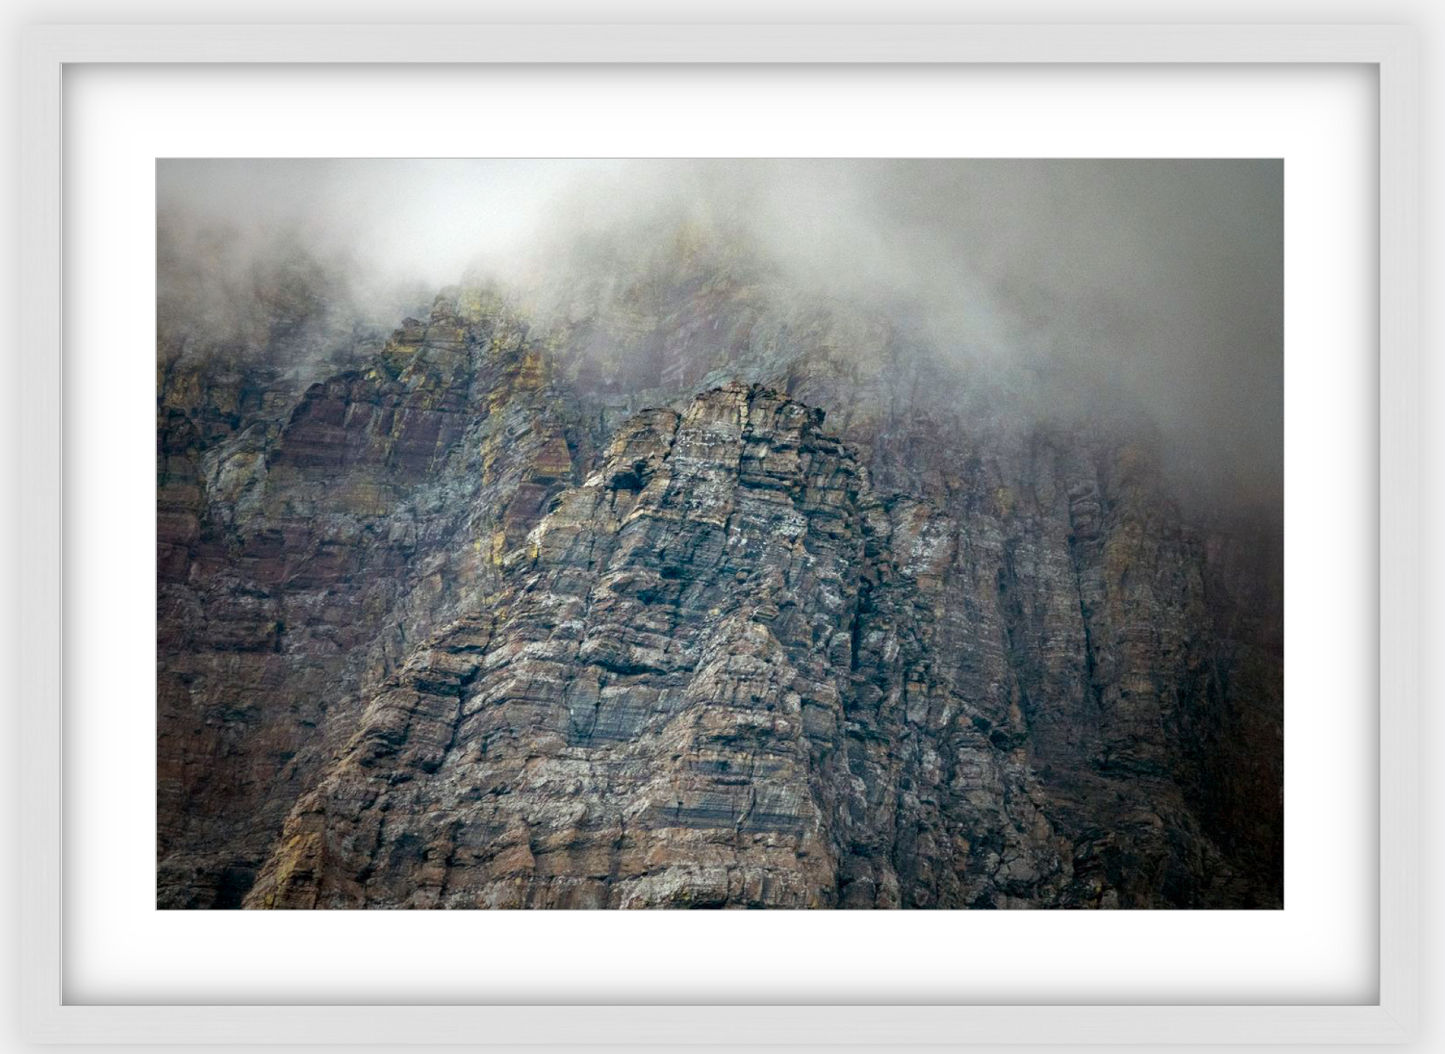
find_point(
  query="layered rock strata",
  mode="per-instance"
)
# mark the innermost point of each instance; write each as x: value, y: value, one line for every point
x: 464, y: 625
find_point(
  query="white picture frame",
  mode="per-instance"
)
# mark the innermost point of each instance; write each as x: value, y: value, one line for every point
x: 48, y: 49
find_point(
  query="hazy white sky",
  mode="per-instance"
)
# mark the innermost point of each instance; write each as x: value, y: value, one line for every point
x: 1163, y: 276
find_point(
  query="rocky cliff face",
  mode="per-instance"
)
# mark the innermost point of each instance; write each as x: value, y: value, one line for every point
x: 690, y: 596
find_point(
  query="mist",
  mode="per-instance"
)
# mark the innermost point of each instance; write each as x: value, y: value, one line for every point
x: 1159, y: 279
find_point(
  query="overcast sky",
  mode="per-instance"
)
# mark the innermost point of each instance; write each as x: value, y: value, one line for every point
x: 1163, y: 277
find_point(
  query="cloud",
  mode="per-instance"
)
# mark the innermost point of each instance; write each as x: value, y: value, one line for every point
x: 1162, y: 279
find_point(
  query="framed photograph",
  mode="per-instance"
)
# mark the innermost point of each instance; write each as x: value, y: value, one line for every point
x: 949, y: 490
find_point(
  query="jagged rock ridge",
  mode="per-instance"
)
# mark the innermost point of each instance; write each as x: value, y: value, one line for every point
x: 466, y: 627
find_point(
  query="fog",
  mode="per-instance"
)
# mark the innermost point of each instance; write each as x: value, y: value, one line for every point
x: 1162, y: 279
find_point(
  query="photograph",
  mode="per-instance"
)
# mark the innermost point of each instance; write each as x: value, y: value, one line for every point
x: 768, y: 533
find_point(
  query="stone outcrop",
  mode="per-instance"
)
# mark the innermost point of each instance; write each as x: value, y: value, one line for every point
x: 301, y: 559
x: 508, y: 611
